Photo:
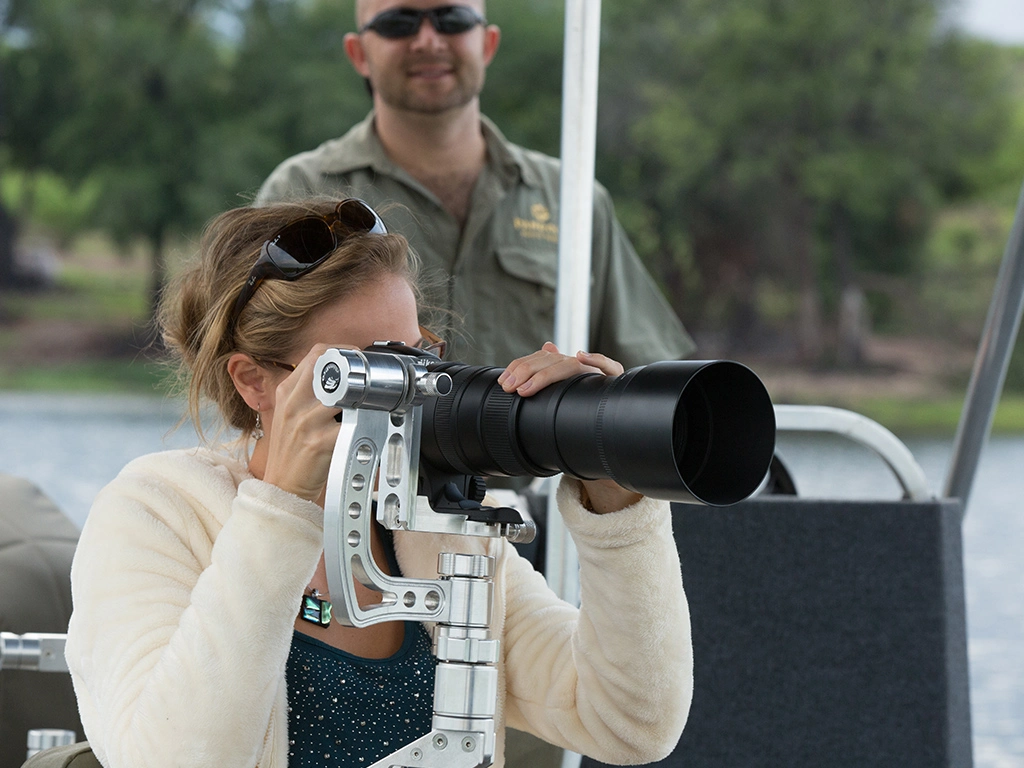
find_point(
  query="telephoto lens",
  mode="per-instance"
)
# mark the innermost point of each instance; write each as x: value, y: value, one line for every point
x: 691, y: 431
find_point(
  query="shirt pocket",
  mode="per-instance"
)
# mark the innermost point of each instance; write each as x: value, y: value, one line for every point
x: 535, y: 267
x: 517, y: 309
x: 526, y: 289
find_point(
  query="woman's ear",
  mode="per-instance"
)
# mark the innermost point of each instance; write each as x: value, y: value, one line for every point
x: 254, y: 383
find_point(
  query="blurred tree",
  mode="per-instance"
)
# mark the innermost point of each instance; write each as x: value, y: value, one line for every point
x: 34, y: 99
x: 789, y: 141
x: 759, y: 150
x: 121, y: 92
x: 8, y: 236
x: 523, y: 94
x: 1006, y: 179
x: 1001, y: 176
x: 291, y: 86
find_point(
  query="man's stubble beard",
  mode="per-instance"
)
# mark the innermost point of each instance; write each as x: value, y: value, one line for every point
x: 406, y: 99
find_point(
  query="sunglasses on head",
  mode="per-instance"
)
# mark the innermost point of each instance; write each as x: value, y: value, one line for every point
x: 406, y: 22
x: 304, y: 244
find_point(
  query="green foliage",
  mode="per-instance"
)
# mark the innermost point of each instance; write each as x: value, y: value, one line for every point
x: 765, y: 155
x: 800, y: 141
x: 1000, y: 176
x: 38, y: 95
x: 137, y: 376
x: 125, y: 89
x: 59, y: 208
x: 292, y: 88
x: 145, y: 84
x: 1015, y: 370
x: 524, y: 83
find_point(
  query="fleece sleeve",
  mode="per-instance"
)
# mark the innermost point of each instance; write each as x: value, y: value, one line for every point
x: 183, y: 615
x: 613, y: 679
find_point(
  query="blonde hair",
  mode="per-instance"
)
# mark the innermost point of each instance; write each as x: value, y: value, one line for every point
x: 195, y: 309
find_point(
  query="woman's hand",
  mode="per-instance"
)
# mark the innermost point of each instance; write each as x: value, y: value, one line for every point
x: 528, y: 375
x: 301, y: 435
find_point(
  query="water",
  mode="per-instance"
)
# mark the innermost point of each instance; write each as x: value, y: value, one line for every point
x: 70, y: 446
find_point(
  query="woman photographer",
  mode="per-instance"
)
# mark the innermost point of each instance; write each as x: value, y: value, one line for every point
x: 199, y: 576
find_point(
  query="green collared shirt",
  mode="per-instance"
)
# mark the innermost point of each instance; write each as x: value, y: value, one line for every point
x: 497, y: 275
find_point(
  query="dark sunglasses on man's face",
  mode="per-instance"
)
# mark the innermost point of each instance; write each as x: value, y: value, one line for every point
x: 406, y: 22
x: 304, y: 244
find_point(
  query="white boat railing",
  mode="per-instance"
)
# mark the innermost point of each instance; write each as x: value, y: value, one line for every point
x: 864, y: 431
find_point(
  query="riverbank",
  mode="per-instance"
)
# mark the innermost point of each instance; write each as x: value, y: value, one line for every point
x: 914, y: 386
x: 80, y: 356
x: 88, y: 334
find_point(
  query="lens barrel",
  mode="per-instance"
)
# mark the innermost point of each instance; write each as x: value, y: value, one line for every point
x: 692, y: 431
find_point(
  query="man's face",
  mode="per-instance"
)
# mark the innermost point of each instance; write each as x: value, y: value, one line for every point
x: 429, y: 72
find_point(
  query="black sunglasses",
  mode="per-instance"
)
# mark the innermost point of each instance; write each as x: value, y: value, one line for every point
x: 303, y: 245
x: 406, y: 22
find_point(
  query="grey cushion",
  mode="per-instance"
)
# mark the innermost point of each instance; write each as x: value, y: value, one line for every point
x: 37, y: 543
x: 72, y: 756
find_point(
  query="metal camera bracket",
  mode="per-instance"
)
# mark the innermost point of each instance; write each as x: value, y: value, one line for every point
x: 379, y: 445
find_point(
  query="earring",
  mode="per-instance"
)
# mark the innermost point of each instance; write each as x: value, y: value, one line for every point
x: 258, y: 431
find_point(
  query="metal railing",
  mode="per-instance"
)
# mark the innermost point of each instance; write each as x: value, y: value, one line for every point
x: 37, y: 652
x: 990, y: 364
x: 859, y: 429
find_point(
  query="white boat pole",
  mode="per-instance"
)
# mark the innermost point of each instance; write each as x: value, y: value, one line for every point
x: 575, y: 236
x: 575, y: 228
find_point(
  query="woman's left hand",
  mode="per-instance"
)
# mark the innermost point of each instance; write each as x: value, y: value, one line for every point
x: 528, y: 375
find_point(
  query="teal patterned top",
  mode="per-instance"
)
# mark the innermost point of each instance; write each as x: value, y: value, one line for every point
x: 344, y: 710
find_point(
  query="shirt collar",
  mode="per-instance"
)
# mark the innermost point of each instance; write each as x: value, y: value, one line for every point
x: 362, y: 149
x: 506, y: 157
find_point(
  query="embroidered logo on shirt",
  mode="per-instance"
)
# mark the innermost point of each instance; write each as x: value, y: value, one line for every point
x: 540, y: 227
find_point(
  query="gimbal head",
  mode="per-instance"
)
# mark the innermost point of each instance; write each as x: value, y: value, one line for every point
x: 419, y: 433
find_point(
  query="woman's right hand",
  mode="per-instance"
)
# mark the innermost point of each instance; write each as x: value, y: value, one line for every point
x: 300, y: 434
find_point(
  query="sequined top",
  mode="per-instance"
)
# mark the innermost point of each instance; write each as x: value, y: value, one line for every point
x: 344, y: 710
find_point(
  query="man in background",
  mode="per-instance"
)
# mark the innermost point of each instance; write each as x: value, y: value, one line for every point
x: 480, y: 211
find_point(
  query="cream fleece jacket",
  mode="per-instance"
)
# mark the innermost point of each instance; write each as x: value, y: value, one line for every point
x: 187, y: 579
